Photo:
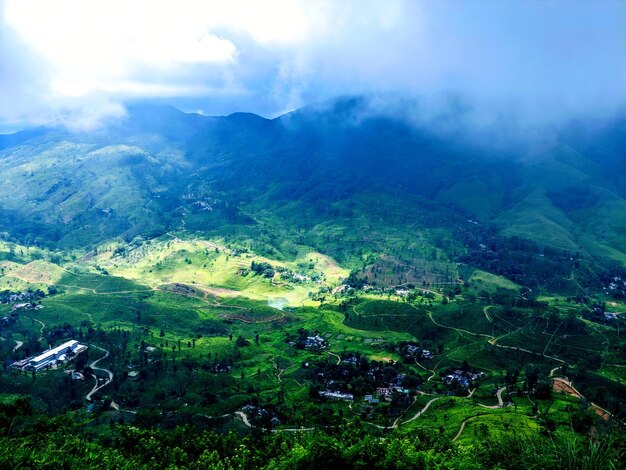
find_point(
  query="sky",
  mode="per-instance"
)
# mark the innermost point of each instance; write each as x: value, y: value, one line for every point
x: 77, y: 62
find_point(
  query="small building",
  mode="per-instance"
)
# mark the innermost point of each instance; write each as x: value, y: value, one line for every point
x: 384, y: 393
x: 315, y: 343
x: 22, y: 306
x: 371, y: 400
x: 336, y: 395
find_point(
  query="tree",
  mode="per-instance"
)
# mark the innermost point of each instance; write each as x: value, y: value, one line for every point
x: 241, y: 341
x: 82, y: 359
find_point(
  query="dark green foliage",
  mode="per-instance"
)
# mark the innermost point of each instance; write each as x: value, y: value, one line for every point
x: 263, y: 268
x: 241, y: 342
x: 554, y: 452
x: 347, y: 447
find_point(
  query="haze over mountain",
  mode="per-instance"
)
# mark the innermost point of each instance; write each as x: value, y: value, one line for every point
x: 145, y: 173
x: 542, y: 60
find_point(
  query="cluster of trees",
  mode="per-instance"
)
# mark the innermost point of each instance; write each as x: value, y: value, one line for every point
x: 56, y: 333
x: 42, y: 442
x: 263, y: 268
x: 522, y: 261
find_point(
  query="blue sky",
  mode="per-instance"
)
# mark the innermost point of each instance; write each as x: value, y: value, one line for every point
x: 77, y: 62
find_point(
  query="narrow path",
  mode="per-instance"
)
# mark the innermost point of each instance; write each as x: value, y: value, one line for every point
x: 217, y: 417
x: 458, y: 434
x: 335, y: 355
x: 244, y: 418
x: 107, y: 381
x: 432, y: 376
x: 292, y: 430
x: 500, y: 401
x: 95, y: 292
x: 280, y: 371
x: 207, y: 290
x: 561, y: 384
x: 465, y: 421
x: 493, y: 342
x: 566, y: 386
x: 422, y: 411
x: 432, y: 371
x: 116, y: 407
x: 458, y: 330
x: 43, y: 326
x: 395, y: 423
x: 551, y: 338
x: 486, y: 312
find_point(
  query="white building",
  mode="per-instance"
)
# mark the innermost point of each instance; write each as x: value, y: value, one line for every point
x: 59, y: 354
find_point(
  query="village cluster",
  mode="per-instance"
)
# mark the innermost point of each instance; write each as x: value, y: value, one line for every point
x: 462, y: 379
x: 27, y: 300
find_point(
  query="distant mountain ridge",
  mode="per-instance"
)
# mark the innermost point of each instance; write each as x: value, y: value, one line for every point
x: 142, y: 174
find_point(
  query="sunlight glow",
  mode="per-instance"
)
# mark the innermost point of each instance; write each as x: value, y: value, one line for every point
x: 92, y: 45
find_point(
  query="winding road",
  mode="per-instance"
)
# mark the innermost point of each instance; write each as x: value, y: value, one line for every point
x: 486, y: 312
x: 244, y: 418
x: 421, y: 412
x: 43, y: 326
x: 107, y: 381
x: 334, y: 355
x: 500, y: 401
x: 458, y: 434
x: 493, y: 342
x: 458, y: 330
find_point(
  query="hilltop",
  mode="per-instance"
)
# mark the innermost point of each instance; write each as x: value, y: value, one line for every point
x: 160, y: 169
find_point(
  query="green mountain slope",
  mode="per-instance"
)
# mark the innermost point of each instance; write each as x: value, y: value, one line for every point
x: 161, y: 169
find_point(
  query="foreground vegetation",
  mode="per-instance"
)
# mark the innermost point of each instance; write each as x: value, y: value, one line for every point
x: 57, y: 444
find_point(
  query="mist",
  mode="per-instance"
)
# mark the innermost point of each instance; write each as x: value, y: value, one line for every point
x: 529, y: 64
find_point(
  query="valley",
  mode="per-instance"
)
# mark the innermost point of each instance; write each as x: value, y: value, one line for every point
x: 229, y: 281
x: 184, y: 328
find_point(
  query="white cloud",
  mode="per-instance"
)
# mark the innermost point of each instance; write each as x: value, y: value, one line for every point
x: 77, y: 117
x: 145, y: 48
x: 86, y: 43
x: 267, y: 56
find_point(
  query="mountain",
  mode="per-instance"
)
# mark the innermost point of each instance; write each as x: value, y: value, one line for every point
x: 364, y: 272
x: 160, y: 168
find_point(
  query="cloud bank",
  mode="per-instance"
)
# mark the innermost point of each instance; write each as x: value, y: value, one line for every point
x: 77, y: 62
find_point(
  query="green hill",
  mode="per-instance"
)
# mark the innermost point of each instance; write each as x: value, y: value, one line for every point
x: 332, y: 169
